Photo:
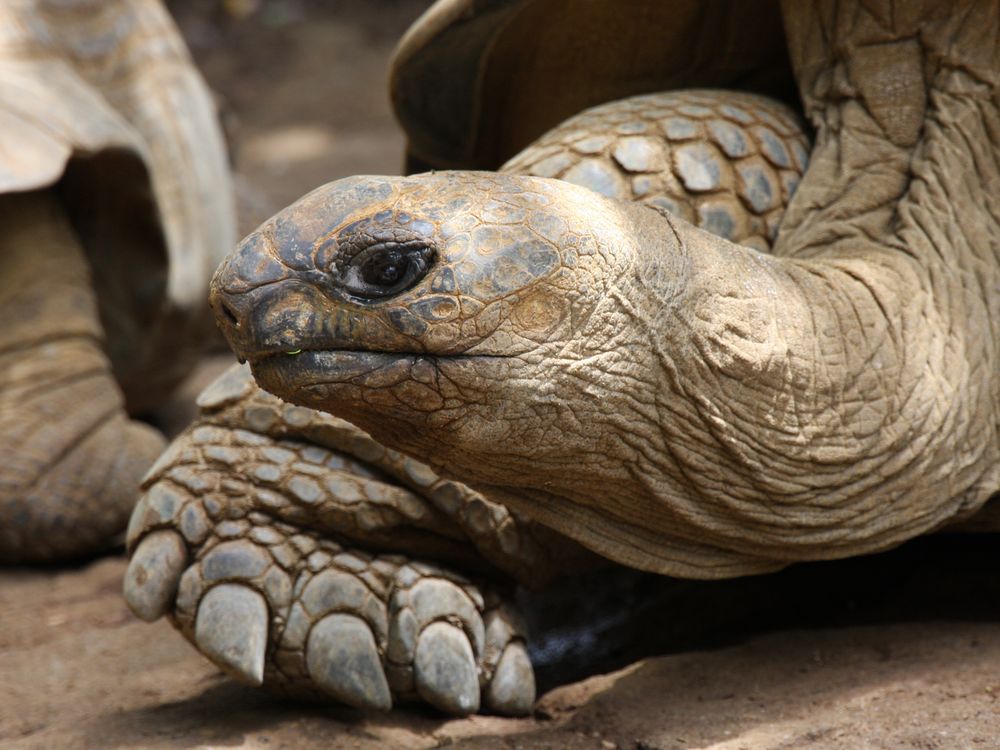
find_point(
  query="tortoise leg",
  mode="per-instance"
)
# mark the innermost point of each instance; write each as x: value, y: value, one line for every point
x: 72, y: 458
x: 726, y: 161
x: 294, y: 551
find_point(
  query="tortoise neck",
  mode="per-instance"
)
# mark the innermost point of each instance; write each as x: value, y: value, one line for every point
x: 889, y: 56
x: 904, y: 100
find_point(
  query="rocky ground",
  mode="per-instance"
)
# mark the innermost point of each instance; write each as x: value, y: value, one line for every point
x: 896, y: 651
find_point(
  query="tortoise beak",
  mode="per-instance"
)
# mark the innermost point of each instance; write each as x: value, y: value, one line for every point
x: 277, y: 318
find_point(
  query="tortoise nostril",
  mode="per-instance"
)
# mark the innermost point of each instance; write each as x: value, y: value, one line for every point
x: 230, y: 316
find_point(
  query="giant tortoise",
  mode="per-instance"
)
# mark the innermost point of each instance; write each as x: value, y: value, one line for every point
x: 116, y: 207
x: 605, y: 379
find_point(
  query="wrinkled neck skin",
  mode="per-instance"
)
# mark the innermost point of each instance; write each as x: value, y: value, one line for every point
x: 715, y: 411
x: 842, y: 398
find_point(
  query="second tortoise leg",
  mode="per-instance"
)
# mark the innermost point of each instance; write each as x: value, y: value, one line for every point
x: 72, y: 458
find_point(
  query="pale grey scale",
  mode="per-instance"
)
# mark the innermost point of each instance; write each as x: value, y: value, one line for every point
x: 553, y: 166
x: 695, y: 110
x: 633, y: 127
x: 724, y: 216
x: 730, y: 138
x: 700, y: 167
x: 772, y: 147
x: 600, y: 176
x: 592, y: 144
x: 737, y: 114
x: 640, y: 154
x: 758, y: 185
x: 680, y: 128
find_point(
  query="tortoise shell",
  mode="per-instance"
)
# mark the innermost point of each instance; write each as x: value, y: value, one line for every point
x: 475, y: 81
x: 99, y: 100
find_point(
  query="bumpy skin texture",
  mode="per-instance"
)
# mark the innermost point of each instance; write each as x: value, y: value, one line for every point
x: 727, y: 162
x: 103, y: 297
x: 673, y: 401
x: 254, y: 472
x: 287, y: 503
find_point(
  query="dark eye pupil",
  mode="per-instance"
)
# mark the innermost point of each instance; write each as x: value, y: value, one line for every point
x: 384, y: 272
x: 384, y: 269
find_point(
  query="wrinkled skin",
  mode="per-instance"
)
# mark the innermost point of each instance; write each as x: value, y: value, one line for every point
x: 669, y: 399
x: 73, y: 458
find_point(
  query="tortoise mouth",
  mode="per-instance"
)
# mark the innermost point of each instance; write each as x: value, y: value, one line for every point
x: 306, y: 368
x: 320, y: 356
x: 360, y: 385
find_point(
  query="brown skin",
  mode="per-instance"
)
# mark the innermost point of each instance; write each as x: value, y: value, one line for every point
x: 671, y: 400
x: 114, y: 205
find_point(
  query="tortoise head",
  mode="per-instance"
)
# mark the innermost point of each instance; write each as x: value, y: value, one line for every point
x: 436, y: 301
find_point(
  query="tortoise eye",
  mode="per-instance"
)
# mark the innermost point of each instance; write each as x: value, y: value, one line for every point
x: 384, y: 271
x: 386, y: 268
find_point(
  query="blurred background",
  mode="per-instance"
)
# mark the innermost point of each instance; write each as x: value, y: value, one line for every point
x: 302, y: 92
x: 301, y: 87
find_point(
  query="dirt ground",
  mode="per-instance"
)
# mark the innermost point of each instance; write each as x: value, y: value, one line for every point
x: 78, y: 671
x: 897, y: 651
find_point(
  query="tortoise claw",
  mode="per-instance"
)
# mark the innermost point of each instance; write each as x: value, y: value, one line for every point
x: 512, y: 690
x: 153, y: 572
x: 343, y: 660
x: 445, y: 669
x: 231, y: 629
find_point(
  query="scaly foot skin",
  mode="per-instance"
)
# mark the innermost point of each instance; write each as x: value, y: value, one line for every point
x: 255, y: 544
x: 306, y: 615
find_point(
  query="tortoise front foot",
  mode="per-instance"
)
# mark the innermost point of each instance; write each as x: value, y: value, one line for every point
x: 275, y: 606
x: 255, y: 547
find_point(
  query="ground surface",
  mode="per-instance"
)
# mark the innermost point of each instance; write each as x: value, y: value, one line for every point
x: 78, y: 671
x: 899, y: 651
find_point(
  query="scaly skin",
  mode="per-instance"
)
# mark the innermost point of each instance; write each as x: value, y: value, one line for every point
x: 726, y: 161
x: 273, y: 496
x: 72, y: 458
x: 262, y: 485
